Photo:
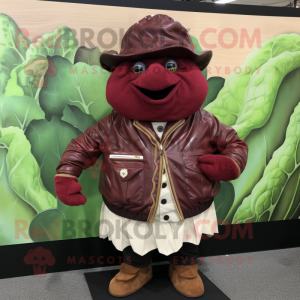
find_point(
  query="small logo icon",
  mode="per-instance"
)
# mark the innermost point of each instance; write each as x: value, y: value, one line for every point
x: 39, y: 258
x: 124, y: 173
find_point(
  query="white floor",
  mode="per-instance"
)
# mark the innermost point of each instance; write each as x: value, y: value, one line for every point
x: 268, y: 275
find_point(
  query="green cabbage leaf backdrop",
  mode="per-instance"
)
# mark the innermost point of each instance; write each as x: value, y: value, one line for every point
x: 53, y: 89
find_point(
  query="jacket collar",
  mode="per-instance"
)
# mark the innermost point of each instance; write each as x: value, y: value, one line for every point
x: 149, y: 127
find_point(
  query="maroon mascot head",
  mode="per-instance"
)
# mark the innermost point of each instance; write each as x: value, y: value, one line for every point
x: 157, y: 75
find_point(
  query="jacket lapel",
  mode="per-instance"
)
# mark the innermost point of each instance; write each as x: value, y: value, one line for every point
x: 168, y: 126
x: 149, y: 127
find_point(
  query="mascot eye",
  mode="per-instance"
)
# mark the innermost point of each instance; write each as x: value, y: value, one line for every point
x: 171, y: 65
x: 139, y: 67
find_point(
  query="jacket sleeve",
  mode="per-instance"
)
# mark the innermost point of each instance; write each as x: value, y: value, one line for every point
x: 83, y: 151
x: 225, y: 141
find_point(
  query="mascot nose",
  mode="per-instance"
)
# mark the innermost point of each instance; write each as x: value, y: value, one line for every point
x: 156, y: 78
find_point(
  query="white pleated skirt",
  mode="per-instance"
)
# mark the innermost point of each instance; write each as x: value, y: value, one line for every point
x: 167, y: 237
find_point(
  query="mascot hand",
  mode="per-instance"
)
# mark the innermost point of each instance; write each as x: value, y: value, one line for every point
x: 219, y: 167
x: 68, y: 190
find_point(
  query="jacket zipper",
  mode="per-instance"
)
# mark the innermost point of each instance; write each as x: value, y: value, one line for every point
x: 162, y: 153
x: 153, y: 210
x: 177, y: 205
x: 125, y: 156
x: 155, y: 144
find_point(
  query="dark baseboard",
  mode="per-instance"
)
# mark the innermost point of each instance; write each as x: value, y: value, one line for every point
x: 93, y: 252
x: 257, y: 10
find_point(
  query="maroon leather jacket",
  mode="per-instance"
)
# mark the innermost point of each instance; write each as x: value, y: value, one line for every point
x: 134, y: 194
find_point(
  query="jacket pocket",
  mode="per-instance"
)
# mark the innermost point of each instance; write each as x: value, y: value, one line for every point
x: 128, y: 182
x: 193, y: 177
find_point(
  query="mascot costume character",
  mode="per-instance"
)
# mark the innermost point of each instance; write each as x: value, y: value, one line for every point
x: 163, y: 156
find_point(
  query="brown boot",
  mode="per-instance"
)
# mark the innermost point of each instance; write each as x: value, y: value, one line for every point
x: 129, y: 280
x: 186, y: 280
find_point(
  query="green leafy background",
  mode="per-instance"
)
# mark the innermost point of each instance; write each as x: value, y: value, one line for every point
x: 53, y: 89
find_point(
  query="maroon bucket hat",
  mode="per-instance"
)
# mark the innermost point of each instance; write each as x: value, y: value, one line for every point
x: 155, y: 36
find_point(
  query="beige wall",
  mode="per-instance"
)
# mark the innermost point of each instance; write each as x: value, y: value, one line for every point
x: 40, y: 17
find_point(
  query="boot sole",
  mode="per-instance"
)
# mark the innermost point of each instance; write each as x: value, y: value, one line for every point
x: 181, y: 292
x: 129, y: 293
x: 187, y: 295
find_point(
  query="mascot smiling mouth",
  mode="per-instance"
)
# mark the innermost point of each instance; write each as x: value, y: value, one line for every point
x: 157, y: 75
x: 157, y: 95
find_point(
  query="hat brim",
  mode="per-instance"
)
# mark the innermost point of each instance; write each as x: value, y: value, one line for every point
x: 111, y: 59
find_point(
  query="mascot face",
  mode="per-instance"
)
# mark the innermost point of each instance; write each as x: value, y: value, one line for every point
x: 158, y: 89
